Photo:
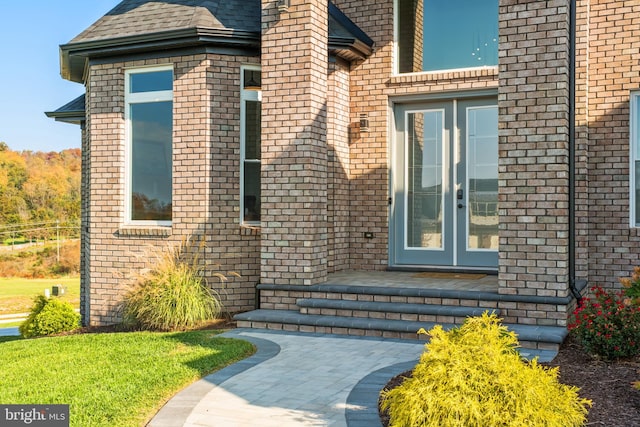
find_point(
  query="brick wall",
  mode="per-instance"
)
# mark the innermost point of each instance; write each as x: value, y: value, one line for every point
x: 581, y: 141
x: 339, y: 197
x: 613, y: 71
x: 205, y: 181
x: 533, y: 105
x: 294, y: 143
x: 369, y: 149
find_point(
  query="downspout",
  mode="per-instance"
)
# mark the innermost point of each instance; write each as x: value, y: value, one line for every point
x: 572, y: 151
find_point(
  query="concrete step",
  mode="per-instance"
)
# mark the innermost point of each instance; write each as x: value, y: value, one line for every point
x: 390, y: 310
x: 530, y: 336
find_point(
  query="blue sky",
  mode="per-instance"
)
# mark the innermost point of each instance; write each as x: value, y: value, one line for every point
x: 30, y: 82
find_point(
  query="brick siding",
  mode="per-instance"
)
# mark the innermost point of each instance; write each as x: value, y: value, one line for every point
x: 613, y: 70
x: 206, y: 153
x: 294, y: 143
x: 533, y: 106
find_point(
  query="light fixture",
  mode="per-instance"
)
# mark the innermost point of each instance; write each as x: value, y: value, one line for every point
x: 364, y: 122
x: 252, y: 83
x: 283, y: 5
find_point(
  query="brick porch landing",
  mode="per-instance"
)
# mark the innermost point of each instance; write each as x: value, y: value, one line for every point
x: 397, y: 304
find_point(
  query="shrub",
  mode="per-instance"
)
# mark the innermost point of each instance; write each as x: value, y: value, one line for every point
x: 607, y: 325
x: 632, y: 285
x: 172, y: 292
x: 49, y: 316
x: 473, y: 376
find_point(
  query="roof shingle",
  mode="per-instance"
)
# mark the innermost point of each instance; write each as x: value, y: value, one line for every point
x: 137, y: 17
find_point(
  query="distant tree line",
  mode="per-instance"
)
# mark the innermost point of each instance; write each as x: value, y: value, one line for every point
x: 38, y: 186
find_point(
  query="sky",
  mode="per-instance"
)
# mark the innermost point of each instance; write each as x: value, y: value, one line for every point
x: 30, y: 83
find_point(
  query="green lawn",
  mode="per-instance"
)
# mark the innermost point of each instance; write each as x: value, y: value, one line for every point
x: 16, y: 295
x: 118, y: 379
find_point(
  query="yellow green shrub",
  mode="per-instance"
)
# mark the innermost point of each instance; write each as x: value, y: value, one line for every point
x: 473, y: 376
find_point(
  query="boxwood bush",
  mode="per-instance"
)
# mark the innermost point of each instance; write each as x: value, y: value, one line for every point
x: 49, y: 316
x: 474, y: 376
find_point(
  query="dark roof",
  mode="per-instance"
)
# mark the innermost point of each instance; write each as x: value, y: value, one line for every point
x: 135, y: 17
x: 71, y: 112
x: 137, y: 26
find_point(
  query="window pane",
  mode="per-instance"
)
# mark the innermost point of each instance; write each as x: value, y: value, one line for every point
x: 252, y: 191
x: 252, y: 130
x: 635, y: 158
x: 447, y: 34
x: 151, y: 137
x: 424, y: 196
x: 482, y: 140
x: 637, y: 206
x: 151, y: 81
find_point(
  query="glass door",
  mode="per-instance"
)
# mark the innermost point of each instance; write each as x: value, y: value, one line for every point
x: 444, y: 206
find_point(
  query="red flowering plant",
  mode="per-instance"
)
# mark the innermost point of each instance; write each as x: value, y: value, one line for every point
x: 607, y: 324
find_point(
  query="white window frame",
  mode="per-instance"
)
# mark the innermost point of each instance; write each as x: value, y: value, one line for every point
x: 634, y: 155
x: 246, y: 95
x: 139, y: 98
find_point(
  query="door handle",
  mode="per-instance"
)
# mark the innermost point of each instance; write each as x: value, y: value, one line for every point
x: 460, y: 206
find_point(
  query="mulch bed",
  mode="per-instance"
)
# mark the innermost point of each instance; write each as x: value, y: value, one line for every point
x: 616, y: 403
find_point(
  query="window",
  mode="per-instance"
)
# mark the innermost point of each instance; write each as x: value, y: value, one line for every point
x: 435, y: 35
x: 250, y: 97
x: 149, y: 116
x: 634, y: 168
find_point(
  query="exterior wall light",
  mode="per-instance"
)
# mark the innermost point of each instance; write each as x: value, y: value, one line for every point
x: 364, y: 122
x: 283, y: 5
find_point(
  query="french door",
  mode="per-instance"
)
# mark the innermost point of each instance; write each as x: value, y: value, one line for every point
x: 445, y: 184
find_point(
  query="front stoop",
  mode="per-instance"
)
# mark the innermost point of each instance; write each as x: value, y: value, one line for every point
x: 390, y: 312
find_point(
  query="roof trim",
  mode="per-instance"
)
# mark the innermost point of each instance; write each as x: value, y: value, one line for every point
x: 72, y: 112
x: 73, y: 56
x: 349, y: 25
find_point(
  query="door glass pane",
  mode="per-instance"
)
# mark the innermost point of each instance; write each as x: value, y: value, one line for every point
x: 424, y: 175
x: 447, y: 34
x: 482, y: 177
x: 151, y: 129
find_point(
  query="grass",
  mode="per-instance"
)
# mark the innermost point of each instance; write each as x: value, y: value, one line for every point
x: 16, y: 294
x: 118, y: 379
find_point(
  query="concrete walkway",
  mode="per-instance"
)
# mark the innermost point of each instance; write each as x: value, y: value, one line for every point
x: 297, y: 379
x: 294, y: 379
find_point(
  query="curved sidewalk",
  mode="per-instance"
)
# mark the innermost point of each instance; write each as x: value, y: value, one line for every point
x: 294, y: 379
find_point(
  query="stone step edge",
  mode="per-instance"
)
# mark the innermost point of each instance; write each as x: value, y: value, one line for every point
x: 419, y: 292
x: 392, y: 307
x: 533, y: 333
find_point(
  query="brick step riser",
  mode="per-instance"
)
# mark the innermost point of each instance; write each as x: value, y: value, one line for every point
x: 289, y: 301
x: 385, y: 315
x: 510, y: 311
x: 367, y: 333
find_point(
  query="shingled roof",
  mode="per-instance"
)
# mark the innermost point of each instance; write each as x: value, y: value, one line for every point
x: 137, y: 26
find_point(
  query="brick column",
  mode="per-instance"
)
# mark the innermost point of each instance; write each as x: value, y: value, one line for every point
x: 534, y: 148
x: 294, y: 147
